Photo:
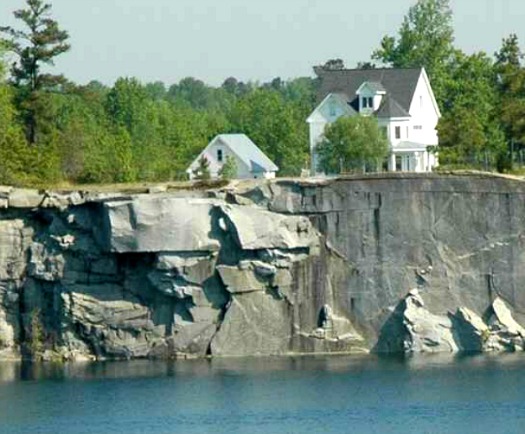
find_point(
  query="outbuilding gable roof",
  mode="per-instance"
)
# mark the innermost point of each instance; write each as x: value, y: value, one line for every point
x: 400, y: 84
x: 248, y: 152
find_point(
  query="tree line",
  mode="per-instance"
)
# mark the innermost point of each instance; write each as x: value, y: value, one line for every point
x: 53, y: 130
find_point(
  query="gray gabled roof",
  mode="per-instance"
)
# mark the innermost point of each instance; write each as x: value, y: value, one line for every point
x: 248, y: 152
x: 390, y: 108
x: 400, y: 84
x: 343, y: 98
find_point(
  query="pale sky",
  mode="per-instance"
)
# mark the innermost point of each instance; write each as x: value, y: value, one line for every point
x: 249, y: 39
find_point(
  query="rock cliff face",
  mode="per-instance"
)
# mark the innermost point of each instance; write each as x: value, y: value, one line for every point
x: 392, y: 264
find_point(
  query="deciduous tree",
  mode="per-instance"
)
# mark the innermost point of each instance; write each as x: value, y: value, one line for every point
x: 352, y: 143
x: 425, y: 39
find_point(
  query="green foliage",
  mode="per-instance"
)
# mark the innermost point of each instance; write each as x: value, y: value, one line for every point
x: 36, y: 334
x: 133, y: 132
x: 466, y: 141
x: 482, y: 101
x: 277, y: 126
x: 469, y: 133
x: 38, y: 44
x: 334, y: 65
x: 3, y: 49
x: 18, y: 163
x: 130, y: 132
x: 511, y: 95
x: 425, y: 39
x: 202, y: 172
x: 352, y: 144
x: 229, y: 169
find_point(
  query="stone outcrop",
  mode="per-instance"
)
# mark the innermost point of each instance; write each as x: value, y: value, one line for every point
x: 394, y: 263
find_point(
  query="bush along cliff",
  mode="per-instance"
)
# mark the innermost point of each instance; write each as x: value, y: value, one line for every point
x: 388, y: 263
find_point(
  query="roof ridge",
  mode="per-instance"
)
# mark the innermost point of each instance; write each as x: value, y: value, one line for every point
x: 415, y: 68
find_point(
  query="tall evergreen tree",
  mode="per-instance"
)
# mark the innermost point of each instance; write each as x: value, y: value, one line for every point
x: 510, y: 83
x: 38, y: 44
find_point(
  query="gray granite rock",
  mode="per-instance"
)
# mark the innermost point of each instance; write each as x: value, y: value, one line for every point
x: 257, y: 229
x: 255, y: 324
x: 25, y: 198
x: 285, y: 267
x: 471, y: 330
x: 426, y: 332
x: 159, y: 224
x: 238, y: 279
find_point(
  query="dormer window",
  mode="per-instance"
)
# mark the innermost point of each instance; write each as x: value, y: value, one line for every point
x: 367, y: 102
x: 370, y: 95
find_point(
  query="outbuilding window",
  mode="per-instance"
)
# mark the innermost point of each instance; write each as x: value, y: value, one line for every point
x: 219, y: 155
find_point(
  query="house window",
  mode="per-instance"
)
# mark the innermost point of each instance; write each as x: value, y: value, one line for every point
x: 219, y: 155
x: 418, y: 127
x: 398, y: 132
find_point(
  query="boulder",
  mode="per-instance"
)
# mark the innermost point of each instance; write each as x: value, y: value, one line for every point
x: 113, y: 326
x: 254, y: 324
x: 472, y: 332
x: 504, y: 320
x: 193, y: 267
x: 191, y: 339
x: 257, y: 229
x: 25, y: 198
x: 426, y: 332
x: 239, y: 279
x: 159, y: 224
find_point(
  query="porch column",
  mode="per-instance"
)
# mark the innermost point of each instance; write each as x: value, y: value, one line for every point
x: 418, y: 162
x: 392, y: 162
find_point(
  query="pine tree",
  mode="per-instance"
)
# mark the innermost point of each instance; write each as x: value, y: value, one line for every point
x: 203, y: 170
x: 229, y: 169
x: 37, y: 45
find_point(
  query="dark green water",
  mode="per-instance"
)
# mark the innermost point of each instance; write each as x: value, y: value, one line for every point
x: 431, y: 394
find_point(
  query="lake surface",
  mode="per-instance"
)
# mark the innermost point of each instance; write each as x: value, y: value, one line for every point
x: 366, y: 394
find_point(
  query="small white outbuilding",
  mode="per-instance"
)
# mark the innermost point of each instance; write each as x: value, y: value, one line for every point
x: 251, y: 162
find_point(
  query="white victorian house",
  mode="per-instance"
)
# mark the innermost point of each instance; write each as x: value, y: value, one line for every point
x: 250, y: 161
x: 403, y: 102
